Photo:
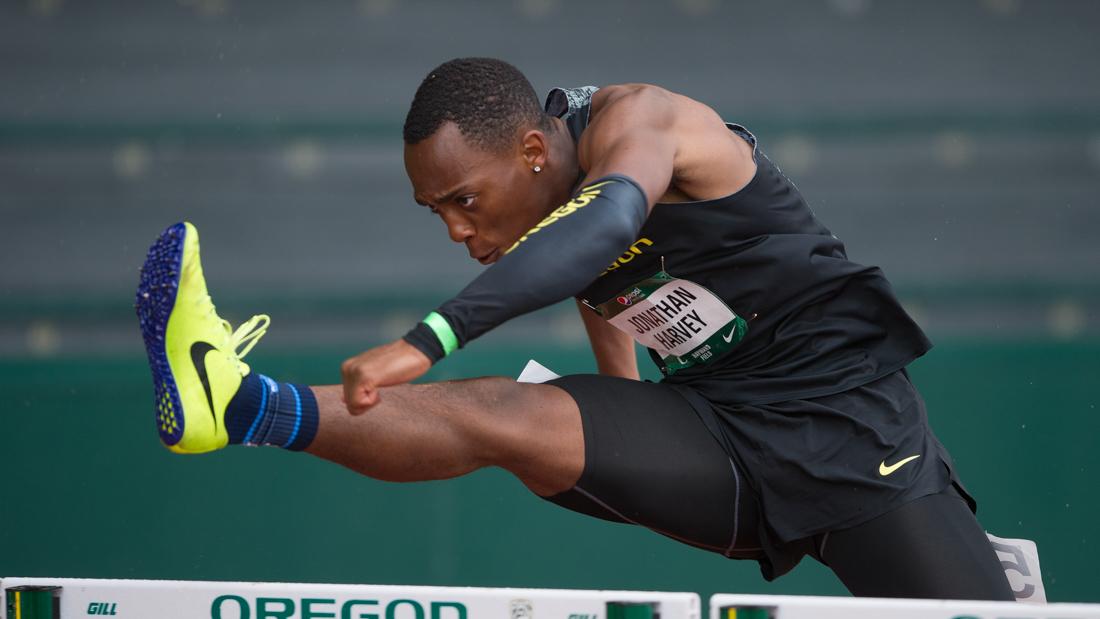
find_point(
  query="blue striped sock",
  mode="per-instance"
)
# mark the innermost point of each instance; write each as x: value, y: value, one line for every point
x: 264, y: 412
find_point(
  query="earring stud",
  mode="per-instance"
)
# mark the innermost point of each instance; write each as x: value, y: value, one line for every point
x: 537, y: 169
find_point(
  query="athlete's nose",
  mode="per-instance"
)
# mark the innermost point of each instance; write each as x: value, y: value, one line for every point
x: 459, y: 228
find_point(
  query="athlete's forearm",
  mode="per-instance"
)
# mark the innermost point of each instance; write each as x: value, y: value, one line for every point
x: 551, y: 262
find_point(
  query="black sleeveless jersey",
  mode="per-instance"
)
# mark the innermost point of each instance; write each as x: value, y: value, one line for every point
x: 818, y: 322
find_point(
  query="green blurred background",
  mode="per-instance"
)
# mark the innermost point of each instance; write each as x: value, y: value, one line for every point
x: 956, y: 144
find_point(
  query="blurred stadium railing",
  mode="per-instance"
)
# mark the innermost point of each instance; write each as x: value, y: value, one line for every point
x: 956, y: 145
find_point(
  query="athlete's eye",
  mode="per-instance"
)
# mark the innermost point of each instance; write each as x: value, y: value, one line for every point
x: 465, y: 201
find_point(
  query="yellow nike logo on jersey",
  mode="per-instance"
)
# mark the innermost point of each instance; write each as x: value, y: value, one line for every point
x: 885, y: 470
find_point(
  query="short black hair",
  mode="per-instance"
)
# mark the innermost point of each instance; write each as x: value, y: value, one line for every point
x: 489, y: 100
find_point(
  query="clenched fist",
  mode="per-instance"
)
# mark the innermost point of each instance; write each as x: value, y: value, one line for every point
x: 391, y: 364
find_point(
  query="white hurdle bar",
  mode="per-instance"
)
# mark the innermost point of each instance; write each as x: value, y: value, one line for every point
x: 71, y: 598
x: 812, y: 607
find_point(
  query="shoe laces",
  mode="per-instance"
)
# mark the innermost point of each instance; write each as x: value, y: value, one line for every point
x: 247, y: 334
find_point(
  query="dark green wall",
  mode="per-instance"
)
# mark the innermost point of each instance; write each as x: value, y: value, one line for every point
x: 88, y: 491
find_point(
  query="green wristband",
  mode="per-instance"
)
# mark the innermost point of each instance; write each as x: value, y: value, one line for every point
x: 443, y: 331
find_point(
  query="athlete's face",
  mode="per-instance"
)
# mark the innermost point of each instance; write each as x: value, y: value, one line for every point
x: 486, y: 199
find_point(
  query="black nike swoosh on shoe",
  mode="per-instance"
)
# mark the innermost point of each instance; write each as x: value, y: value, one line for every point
x: 198, y: 357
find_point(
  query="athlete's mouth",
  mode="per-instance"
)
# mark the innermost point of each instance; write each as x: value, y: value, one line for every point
x: 490, y: 257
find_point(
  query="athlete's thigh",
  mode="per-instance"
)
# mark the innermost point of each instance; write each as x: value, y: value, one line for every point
x: 649, y: 460
x: 932, y: 547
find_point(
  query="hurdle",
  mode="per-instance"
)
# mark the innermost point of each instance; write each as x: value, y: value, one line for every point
x: 727, y: 606
x: 70, y: 598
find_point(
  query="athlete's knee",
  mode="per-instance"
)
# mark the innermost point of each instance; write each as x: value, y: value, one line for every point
x: 532, y: 430
x: 523, y: 413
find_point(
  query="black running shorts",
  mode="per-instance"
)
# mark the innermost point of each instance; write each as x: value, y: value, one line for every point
x: 764, y: 482
x: 650, y: 461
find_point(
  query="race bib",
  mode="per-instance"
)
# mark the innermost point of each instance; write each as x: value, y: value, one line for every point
x: 683, y: 322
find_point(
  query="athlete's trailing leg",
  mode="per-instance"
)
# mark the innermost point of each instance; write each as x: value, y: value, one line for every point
x: 207, y: 398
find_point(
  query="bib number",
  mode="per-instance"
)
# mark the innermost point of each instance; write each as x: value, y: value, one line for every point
x: 681, y: 321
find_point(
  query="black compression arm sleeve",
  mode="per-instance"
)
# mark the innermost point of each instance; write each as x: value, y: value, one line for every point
x: 553, y: 261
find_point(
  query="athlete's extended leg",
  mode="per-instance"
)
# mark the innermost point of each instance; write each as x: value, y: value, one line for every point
x: 207, y: 397
x: 442, y: 430
x: 655, y: 456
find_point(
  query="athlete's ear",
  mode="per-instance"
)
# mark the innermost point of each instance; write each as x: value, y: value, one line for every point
x: 535, y: 146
